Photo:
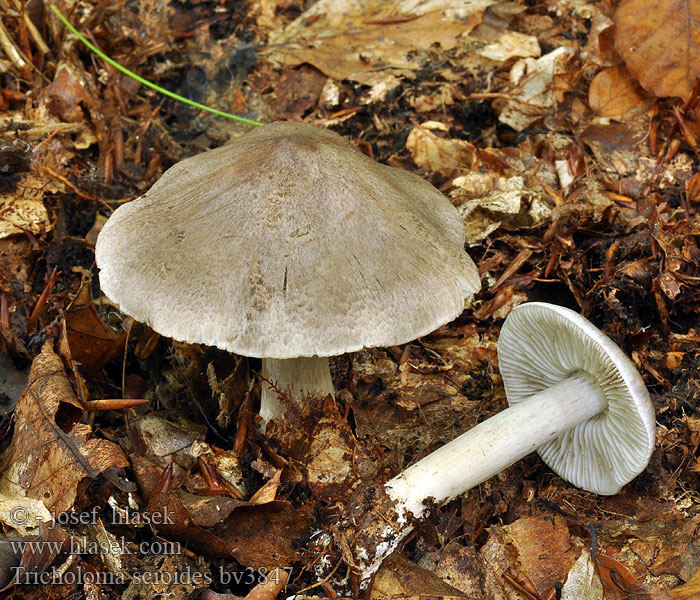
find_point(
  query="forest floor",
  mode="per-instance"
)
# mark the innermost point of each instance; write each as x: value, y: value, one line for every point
x: 564, y: 132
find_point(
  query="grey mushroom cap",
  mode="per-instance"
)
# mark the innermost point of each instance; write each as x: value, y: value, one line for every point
x: 543, y: 344
x: 287, y: 242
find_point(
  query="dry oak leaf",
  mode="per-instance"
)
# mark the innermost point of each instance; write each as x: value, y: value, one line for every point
x: 614, y: 92
x: 52, y: 451
x: 660, y: 41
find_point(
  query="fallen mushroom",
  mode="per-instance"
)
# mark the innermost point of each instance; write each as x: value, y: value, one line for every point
x: 574, y: 397
x: 290, y: 245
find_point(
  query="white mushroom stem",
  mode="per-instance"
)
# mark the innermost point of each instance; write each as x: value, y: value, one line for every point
x: 299, y: 378
x: 377, y: 523
x: 495, y: 444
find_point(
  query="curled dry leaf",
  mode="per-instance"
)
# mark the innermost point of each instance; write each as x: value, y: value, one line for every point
x: 333, y: 455
x: 488, y: 202
x: 67, y: 92
x: 660, y: 41
x: 532, y: 95
x: 439, y: 154
x: 614, y: 93
x: 600, y: 48
x: 52, y: 451
x: 614, y: 575
x: 540, y: 546
x: 92, y: 343
x: 458, y: 565
x: 268, y: 492
x: 317, y: 439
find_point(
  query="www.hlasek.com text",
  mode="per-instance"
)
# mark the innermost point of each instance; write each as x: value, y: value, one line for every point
x: 84, y: 545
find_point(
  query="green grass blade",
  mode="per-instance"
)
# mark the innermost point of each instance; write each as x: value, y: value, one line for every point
x: 145, y: 82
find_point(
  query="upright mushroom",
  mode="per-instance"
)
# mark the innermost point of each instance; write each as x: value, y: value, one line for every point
x: 290, y: 245
x: 574, y: 397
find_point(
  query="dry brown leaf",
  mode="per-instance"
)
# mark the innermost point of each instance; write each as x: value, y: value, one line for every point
x: 582, y: 582
x: 659, y: 542
x: 614, y: 92
x: 398, y: 577
x: 600, y: 48
x: 458, y: 565
x: 488, y: 202
x: 511, y: 44
x: 268, y: 492
x: 439, y: 154
x: 256, y: 535
x: 660, y: 41
x: 188, y: 516
x: 266, y: 535
x: 532, y: 79
x: 52, y: 451
x: 50, y: 542
x: 363, y: 39
x: 316, y: 438
x: 22, y: 209
x: 333, y: 455
x: 67, y: 92
x: 33, y: 510
x: 538, y: 546
x: 614, y: 574
x: 690, y: 590
x: 298, y: 91
x: 156, y: 441
x: 92, y: 343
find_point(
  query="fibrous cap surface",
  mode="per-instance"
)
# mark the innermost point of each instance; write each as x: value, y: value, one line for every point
x: 287, y: 242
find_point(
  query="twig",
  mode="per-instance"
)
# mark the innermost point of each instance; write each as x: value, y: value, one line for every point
x: 322, y: 581
x: 33, y: 31
x: 13, y: 53
x: 76, y: 191
x: 486, y: 96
